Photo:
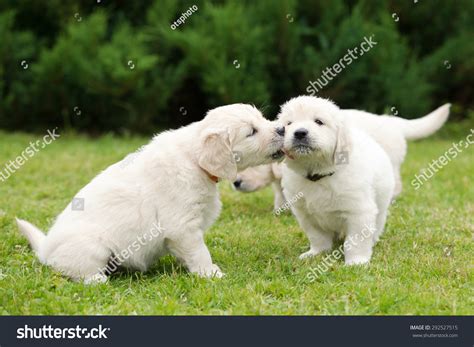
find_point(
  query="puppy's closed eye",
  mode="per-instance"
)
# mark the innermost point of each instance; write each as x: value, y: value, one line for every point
x: 254, y: 131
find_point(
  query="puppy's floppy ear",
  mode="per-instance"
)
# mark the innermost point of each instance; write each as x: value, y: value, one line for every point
x: 215, y: 154
x: 343, y: 144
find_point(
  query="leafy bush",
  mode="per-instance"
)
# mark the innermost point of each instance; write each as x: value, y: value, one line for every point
x: 121, y: 67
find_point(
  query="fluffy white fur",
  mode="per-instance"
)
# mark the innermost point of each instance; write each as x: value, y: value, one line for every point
x: 354, y: 200
x: 169, y: 184
x: 258, y: 177
x: 390, y: 132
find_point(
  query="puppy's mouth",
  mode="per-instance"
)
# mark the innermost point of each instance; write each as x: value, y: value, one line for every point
x: 243, y: 189
x: 278, y: 155
x: 299, y: 150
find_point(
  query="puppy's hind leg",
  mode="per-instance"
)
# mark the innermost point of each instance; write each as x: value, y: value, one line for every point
x: 81, y: 260
x: 191, y: 250
x: 380, y: 224
x: 398, y: 182
x: 279, y: 198
x: 383, y: 204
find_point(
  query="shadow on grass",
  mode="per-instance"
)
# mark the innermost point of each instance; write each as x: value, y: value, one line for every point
x: 164, y: 266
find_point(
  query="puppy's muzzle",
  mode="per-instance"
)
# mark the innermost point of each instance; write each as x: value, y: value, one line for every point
x: 280, y: 131
x: 278, y: 140
x: 301, y: 138
x: 300, y: 134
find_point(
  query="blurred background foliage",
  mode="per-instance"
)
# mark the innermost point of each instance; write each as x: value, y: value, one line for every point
x: 118, y: 66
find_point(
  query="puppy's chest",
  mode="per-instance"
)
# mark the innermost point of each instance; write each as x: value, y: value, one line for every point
x: 209, y: 208
x: 323, y: 206
x: 321, y: 201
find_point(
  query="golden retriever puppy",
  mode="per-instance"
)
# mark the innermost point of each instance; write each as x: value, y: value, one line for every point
x: 343, y: 177
x: 160, y: 202
x: 390, y: 132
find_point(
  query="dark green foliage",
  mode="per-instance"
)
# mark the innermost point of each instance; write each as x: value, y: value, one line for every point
x: 123, y: 68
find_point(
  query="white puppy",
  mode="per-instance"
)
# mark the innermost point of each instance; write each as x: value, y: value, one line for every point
x: 390, y: 132
x: 160, y: 202
x: 345, y: 177
x: 258, y: 177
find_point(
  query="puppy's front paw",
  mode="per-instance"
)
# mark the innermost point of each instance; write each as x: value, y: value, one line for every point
x: 279, y: 207
x: 96, y: 279
x: 357, y: 260
x: 210, y: 272
x: 311, y: 253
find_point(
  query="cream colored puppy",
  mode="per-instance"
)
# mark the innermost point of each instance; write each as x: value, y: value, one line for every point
x: 345, y: 177
x: 390, y: 132
x: 160, y: 202
x: 258, y: 177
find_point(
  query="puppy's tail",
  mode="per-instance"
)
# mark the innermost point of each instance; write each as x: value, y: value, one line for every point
x: 423, y: 127
x: 35, y: 236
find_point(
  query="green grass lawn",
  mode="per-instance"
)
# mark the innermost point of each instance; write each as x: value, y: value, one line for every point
x: 422, y: 265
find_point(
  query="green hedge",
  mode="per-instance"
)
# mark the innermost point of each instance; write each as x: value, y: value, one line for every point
x: 119, y: 66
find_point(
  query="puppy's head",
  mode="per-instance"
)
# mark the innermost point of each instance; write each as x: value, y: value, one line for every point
x: 254, y: 178
x: 314, y: 129
x: 235, y: 137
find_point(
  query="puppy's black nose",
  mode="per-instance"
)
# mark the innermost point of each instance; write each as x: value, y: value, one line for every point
x: 237, y: 183
x: 301, y: 133
x: 280, y: 131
